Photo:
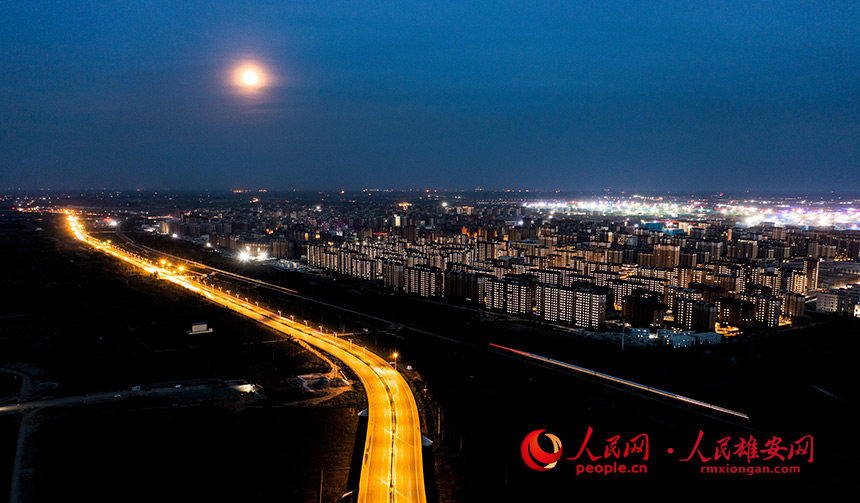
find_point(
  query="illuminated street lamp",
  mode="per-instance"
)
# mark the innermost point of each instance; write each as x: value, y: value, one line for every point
x: 395, y: 361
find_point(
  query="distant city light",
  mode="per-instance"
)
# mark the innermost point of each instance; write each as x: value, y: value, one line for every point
x: 804, y: 214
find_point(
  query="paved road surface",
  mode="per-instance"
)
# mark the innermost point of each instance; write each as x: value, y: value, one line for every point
x: 392, y: 468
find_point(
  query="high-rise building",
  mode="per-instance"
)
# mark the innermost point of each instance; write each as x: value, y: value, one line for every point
x: 691, y: 314
x: 282, y: 248
x: 513, y: 294
x: 670, y: 293
x: 645, y: 259
x: 689, y: 259
x: 590, y: 307
x: 651, y: 283
x: 363, y: 267
x: 554, y: 302
x: 709, y: 292
x: 810, y: 269
x: 551, y: 276
x: 735, y: 312
x: 393, y: 274
x: 767, y: 309
x: 621, y: 288
x: 713, y: 248
x: 667, y: 256
x: 793, y: 304
x: 746, y: 249
x: 602, y: 277
x: 426, y: 281
x: 640, y: 311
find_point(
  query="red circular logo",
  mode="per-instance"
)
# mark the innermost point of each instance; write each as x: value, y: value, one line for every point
x: 533, y: 454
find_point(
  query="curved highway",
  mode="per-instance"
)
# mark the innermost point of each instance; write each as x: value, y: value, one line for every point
x: 392, y: 467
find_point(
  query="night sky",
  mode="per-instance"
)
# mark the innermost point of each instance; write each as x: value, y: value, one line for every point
x: 710, y: 95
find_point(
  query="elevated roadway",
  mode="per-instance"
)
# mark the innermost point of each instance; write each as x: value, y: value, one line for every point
x: 392, y: 468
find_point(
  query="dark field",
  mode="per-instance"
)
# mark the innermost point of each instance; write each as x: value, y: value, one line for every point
x: 92, y: 323
x: 195, y: 454
x: 81, y: 322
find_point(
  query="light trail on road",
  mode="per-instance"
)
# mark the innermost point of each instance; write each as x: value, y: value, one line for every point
x: 641, y: 387
x: 392, y: 466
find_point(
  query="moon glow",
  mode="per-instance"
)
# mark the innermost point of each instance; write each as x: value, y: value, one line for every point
x: 250, y: 78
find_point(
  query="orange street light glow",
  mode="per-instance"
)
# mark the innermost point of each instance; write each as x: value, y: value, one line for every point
x: 392, y: 465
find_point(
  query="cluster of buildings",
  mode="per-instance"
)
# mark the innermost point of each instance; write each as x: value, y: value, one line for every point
x: 694, y: 275
x: 649, y: 275
x: 844, y: 300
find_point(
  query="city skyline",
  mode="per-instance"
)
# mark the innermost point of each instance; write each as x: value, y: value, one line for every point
x: 673, y: 96
x: 436, y: 252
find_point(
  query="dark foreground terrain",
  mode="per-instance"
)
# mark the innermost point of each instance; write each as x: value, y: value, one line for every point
x: 87, y: 324
x: 78, y: 322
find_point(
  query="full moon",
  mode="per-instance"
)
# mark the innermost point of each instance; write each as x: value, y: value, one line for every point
x: 250, y: 78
